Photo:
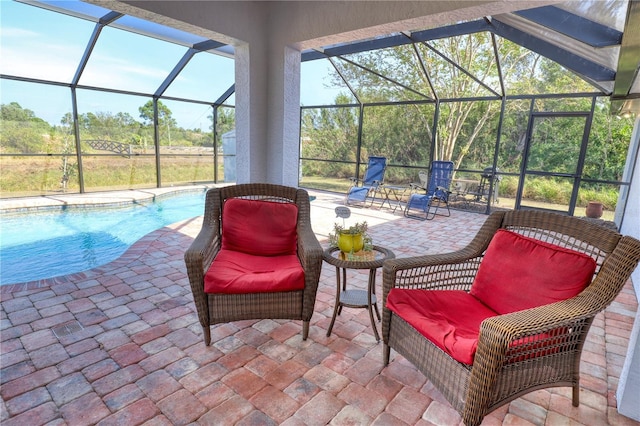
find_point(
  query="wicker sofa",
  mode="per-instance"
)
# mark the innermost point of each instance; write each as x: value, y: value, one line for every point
x: 517, y: 352
x: 295, y: 303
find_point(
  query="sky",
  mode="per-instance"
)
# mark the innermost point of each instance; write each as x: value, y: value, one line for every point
x: 46, y: 45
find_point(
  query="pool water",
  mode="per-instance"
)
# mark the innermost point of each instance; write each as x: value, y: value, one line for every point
x: 47, y: 244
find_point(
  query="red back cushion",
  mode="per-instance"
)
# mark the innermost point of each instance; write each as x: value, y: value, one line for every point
x: 262, y: 228
x: 519, y: 273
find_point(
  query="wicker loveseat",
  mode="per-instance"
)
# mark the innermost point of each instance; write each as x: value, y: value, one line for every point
x: 267, y: 229
x: 515, y: 352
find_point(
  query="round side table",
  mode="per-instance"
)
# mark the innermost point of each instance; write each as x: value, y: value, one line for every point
x: 356, y: 298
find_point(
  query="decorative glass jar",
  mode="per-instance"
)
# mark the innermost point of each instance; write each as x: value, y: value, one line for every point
x: 348, y: 242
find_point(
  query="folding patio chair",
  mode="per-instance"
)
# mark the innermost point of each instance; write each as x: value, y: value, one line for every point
x: 426, y: 205
x: 373, y: 178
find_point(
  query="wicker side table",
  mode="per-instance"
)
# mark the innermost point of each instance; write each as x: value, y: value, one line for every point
x: 356, y: 298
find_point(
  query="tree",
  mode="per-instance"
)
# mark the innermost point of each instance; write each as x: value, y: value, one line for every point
x: 458, y: 117
x: 164, y: 114
x: 226, y: 121
x: 165, y: 120
x: 22, y: 131
x: 14, y: 112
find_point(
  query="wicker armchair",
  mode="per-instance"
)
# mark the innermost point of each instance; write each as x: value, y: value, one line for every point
x: 496, y: 376
x: 215, y: 308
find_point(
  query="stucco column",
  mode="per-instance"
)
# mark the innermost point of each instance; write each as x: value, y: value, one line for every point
x: 251, y: 114
x: 267, y: 113
x: 284, y: 116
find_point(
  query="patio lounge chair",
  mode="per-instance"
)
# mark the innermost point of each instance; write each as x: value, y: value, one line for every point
x: 509, y: 313
x: 373, y: 178
x: 425, y: 201
x: 256, y: 256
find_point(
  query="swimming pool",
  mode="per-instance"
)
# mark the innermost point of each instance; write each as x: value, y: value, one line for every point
x: 47, y: 244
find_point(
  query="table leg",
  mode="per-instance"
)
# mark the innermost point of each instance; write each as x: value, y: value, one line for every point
x: 371, y: 290
x: 344, y: 285
x: 386, y: 198
x: 337, y: 306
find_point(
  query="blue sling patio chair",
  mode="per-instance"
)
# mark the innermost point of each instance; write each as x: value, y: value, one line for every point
x: 436, y: 196
x: 373, y: 178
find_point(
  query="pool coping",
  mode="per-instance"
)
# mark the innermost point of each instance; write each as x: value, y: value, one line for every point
x: 65, y: 201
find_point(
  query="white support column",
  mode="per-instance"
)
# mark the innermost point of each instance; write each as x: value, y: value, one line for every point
x: 284, y: 116
x: 267, y: 114
x: 251, y: 114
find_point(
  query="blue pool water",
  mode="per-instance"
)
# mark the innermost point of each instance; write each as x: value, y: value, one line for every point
x: 47, y: 244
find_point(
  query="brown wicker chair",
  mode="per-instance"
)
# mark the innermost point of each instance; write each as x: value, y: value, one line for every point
x: 222, y: 308
x: 491, y: 381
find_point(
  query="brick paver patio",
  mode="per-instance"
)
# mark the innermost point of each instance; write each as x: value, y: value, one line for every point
x: 121, y: 345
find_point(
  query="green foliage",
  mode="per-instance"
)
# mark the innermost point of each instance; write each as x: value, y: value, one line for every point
x: 558, y: 191
x: 24, y: 133
x: 40, y: 175
x: 226, y: 121
x: 466, y: 129
x: 165, y: 119
x: 608, y: 145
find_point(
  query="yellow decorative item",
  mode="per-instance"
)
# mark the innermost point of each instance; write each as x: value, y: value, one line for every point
x: 348, y: 242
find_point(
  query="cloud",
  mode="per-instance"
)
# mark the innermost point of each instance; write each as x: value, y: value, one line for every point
x: 43, y: 65
x: 13, y: 32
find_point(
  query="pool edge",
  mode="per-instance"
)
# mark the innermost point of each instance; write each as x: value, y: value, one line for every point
x: 92, y: 200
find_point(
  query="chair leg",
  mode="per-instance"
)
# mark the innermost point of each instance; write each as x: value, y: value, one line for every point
x: 207, y: 335
x: 305, y: 330
x: 436, y: 207
x: 386, y: 354
x: 428, y: 210
x: 576, y: 395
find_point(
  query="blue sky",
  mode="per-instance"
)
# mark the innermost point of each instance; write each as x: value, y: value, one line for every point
x: 41, y: 44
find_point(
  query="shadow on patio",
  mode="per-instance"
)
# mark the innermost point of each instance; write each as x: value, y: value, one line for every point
x: 121, y: 344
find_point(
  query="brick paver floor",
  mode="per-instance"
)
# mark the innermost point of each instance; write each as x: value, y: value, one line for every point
x: 121, y: 345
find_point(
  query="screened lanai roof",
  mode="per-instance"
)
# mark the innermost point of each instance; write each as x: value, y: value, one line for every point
x: 76, y: 46
x: 598, y: 40
x: 595, y: 39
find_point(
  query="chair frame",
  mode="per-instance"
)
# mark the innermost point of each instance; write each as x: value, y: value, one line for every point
x: 494, y: 379
x: 368, y: 184
x: 437, y: 195
x: 222, y: 308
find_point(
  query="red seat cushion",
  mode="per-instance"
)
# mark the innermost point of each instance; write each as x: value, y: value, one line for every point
x: 237, y: 272
x: 263, y: 228
x: 448, y: 318
x: 519, y: 273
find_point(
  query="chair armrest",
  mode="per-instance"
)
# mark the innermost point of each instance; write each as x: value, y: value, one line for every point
x: 198, y: 258
x: 442, y: 193
x: 555, y: 329
x: 565, y: 319
x: 309, y: 249
x: 310, y: 255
